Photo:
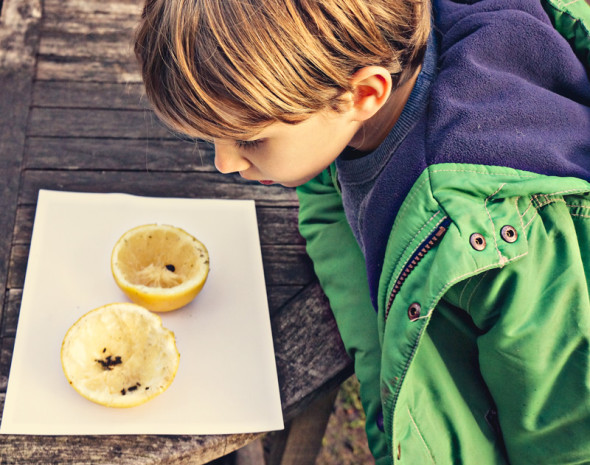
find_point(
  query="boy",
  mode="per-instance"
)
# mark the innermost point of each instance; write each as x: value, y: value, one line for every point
x: 443, y: 178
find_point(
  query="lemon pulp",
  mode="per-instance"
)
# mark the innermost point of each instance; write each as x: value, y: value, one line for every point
x: 119, y: 355
x: 160, y: 267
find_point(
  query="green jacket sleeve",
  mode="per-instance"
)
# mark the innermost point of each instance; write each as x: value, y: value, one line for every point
x: 340, y: 267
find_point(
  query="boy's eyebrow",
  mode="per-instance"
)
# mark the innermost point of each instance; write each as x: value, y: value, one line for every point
x: 250, y: 138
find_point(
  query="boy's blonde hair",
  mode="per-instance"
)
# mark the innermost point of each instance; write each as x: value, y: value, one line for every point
x: 228, y: 68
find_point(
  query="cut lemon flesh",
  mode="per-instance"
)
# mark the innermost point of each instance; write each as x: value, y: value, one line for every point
x: 119, y: 355
x: 160, y: 267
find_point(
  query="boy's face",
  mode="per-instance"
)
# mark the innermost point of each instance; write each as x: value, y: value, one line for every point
x: 288, y: 154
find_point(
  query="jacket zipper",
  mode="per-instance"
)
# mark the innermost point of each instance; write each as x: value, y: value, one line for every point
x: 424, y: 247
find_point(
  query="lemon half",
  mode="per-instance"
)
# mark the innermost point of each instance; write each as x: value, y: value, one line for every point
x: 160, y: 267
x: 119, y: 355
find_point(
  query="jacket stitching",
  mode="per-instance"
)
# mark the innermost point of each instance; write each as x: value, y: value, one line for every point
x: 458, y: 278
x: 540, y: 205
x: 393, y: 399
x: 418, y: 233
x: 469, y: 280
x: 483, y: 172
x: 420, y: 434
x: 531, y: 220
x: 526, y: 211
x: 468, y: 304
x: 520, y: 217
x: 579, y: 215
x: 463, y: 290
x: 548, y: 201
x: 557, y: 193
x: 408, y: 200
x: 564, y: 192
x: 502, y: 258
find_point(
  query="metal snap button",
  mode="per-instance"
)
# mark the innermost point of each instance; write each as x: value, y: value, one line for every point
x: 477, y: 241
x: 414, y: 311
x: 508, y: 233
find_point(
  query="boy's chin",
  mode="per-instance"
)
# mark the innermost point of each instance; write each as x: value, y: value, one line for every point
x: 292, y: 184
x: 296, y: 183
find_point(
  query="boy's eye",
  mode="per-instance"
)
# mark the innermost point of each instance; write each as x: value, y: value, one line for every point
x: 248, y: 144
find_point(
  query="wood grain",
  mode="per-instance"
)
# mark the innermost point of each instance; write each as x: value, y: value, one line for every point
x: 156, y: 184
x: 89, y: 95
x: 96, y: 153
x: 18, y: 47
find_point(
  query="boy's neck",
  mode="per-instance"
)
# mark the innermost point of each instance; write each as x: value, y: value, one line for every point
x: 375, y: 130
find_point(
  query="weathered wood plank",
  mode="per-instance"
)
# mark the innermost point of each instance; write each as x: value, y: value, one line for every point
x: 95, y: 43
x: 17, y: 267
x: 88, y: 95
x: 12, y: 308
x: 278, y: 225
x: 87, y: 69
x: 6, y: 348
x: 100, y: 31
x: 50, y: 153
x: 78, y: 122
x: 23, y: 228
x: 18, y: 46
x: 301, y: 440
x: 94, y: 7
x: 286, y: 265
x: 279, y: 296
x: 251, y: 454
x: 122, y: 450
x: 89, y: 40
x: 308, y: 350
x: 59, y: 18
x: 155, y: 184
x: 19, y: 34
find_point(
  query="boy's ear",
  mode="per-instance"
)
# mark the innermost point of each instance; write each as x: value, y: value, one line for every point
x: 371, y: 88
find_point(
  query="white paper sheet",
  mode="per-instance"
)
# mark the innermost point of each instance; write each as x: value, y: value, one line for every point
x: 226, y: 381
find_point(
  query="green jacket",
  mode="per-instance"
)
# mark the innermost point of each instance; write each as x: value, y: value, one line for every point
x: 480, y: 350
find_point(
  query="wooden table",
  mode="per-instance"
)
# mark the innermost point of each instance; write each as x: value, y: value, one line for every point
x: 73, y: 117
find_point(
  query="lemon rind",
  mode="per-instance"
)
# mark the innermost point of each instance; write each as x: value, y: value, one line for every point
x: 133, y: 399
x: 162, y: 299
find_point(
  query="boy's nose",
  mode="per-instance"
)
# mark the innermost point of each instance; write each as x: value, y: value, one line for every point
x: 228, y: 160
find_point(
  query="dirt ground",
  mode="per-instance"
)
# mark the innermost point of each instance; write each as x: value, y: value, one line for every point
x: 345, y: 441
